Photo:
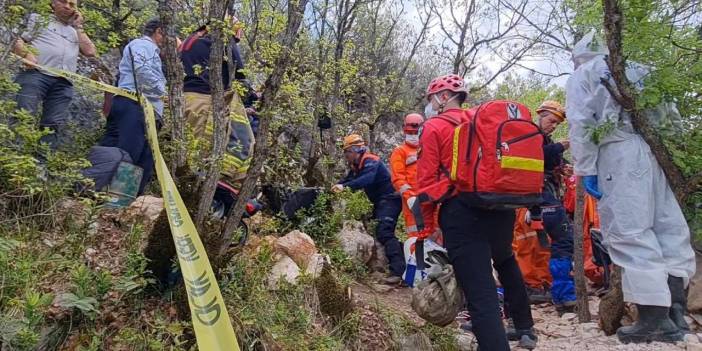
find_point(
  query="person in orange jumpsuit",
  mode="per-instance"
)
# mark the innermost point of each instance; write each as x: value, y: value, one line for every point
x: 532, y: 259
x: 590, y: 220
x: 403, y: 167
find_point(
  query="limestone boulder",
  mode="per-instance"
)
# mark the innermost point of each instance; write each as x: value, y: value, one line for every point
x: 285, y: 269
x: 355, y: 242
x: 315, y: 265
x: 145, y: 209
x: 298, y: 246
x: 378, y: 261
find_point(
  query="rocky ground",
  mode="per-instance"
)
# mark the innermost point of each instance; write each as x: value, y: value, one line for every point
x: 296, y: 254
x: 555, y: 332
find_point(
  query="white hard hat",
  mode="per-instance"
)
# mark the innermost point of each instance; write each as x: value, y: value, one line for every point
x: 587, y: 48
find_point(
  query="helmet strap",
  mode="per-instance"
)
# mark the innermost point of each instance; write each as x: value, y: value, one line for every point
x: 442, y: 105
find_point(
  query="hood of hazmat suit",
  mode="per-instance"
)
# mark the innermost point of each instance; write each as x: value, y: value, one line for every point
x: 643, y: 226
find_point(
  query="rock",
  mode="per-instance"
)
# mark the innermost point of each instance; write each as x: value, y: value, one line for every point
x: 381, y: 288
x: 691, y: 339
x: 145, y: 209
x: 569, y: 316
x: 416, y: 342
x: 466, y: 342
x: 316, y: 264
x: 378, y: 261
x: 355, y: 242
x: 298, y: 246
x: 255, y: 243
x: 71, y: 211
x: 284, y: 269
x: 689, y: 320
x: 590, y: 329
x: 694, y: 295
x: 693, y: 347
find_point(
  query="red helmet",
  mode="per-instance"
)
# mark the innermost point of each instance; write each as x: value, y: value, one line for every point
x: 450, y: 82
x: 412, y: 123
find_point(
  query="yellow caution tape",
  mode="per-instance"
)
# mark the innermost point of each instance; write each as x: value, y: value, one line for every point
x: 213, y: 328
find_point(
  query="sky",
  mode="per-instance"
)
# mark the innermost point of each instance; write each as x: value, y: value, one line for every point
x: 555, y: 64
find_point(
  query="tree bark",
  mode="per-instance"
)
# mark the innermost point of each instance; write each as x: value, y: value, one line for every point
x: 174, y: 76
x: 296, y: 10
x: 612, y: 304
x: 626, y: 96
x: 583, y: 308
x: 220, y: 116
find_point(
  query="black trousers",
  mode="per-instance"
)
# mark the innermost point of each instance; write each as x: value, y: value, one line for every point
x: 126, y: 129
x: 474, y: 237
x: 386, y: 211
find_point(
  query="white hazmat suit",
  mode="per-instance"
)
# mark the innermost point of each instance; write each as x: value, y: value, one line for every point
x: 642, y: 223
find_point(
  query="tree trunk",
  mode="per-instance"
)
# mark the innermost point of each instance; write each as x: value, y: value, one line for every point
x: 612, y: 304
x: 578, y: 257
x: 174, y: 76
x: 271, y: 87
x: 626, y: 96
x: 220, y: 117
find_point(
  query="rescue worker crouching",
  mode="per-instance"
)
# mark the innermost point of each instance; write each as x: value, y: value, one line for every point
x: 367, y: 172
x: 551, y: 216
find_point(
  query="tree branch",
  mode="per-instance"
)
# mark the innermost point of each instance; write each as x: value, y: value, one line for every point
x: 613, y: 23
x: 296, y: 10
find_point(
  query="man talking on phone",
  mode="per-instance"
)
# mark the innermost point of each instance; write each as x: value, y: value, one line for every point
x: 53, y: 41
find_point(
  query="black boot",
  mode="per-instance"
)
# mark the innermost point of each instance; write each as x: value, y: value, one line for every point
x: 527, y: 337
x: 678, y: 308
x: 653, y: 325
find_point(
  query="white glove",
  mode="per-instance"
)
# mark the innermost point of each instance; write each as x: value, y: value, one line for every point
x: 527, y: 217
x: 411, y: 201
x: 337, y: 188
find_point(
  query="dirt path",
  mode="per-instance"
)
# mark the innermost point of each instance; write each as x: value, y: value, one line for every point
x: 555, y: 332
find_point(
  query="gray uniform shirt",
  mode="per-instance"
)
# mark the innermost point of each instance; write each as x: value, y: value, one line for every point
x: 57, y: 43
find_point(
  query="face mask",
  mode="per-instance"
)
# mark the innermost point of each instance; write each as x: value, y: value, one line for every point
x: 412, y: 139
x: 429, y: 111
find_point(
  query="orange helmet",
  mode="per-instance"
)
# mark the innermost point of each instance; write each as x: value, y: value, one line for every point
x: 412, y: 123
x: 554, y: 107
x: 353, y: 140
x: 450, y: 82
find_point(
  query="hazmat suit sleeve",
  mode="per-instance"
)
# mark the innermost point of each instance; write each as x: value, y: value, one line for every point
x: 398, y: 172
x: 582, y: 119
x: 365, y: 177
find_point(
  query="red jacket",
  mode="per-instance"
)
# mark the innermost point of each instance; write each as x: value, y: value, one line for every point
x: 435, y: 152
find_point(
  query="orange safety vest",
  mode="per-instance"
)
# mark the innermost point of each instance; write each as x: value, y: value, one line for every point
x: 366, y: 155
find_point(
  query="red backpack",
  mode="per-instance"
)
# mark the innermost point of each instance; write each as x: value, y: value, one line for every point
x: 498, y: 158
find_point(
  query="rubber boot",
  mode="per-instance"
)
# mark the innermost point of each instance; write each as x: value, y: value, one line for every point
x: 653, y: 325
x: 678, y: 308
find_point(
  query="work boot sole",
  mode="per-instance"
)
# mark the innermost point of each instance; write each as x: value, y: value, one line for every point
x: 538, y: 300
x: 669, y: 337
x: 527, y: 343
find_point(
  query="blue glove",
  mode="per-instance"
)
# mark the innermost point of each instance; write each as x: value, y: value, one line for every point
x: 590, y: 184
